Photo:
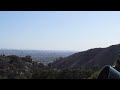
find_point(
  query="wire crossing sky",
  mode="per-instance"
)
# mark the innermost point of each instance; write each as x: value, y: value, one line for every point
x: 59, y: 30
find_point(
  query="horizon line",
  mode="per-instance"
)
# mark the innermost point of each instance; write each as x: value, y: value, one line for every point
x: 55, y: 50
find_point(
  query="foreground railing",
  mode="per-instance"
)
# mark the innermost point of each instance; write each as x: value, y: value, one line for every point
x: 109, y: 72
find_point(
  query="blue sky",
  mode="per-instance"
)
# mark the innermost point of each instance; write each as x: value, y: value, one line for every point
x: 59, y: 30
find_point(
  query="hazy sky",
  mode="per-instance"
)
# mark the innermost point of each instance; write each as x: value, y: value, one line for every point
x: 56, y: 30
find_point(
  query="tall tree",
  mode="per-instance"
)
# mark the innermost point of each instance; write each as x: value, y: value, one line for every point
x: 117, y: 63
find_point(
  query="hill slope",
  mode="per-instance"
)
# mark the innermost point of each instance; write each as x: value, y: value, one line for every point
x: 90, y: 58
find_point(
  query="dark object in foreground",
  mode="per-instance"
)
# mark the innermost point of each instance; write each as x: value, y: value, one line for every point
x: 109, y: 72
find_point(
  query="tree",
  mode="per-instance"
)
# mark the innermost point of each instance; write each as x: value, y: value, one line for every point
x: 117, y: 63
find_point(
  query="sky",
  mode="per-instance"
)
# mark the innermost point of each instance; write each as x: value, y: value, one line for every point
x: 59, y: 30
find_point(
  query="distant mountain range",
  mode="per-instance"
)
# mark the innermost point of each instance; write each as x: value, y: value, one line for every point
x: 90, y: 58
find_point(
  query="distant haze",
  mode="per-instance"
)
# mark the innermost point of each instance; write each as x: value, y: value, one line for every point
x: 59, y: 30
x: 43, y: 56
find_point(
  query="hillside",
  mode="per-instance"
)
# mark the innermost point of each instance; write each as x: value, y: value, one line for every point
x: 15, y: 67
x: 90, y: 58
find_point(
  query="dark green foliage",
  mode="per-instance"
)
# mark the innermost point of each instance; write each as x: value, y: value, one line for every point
x: 94, y: 75
x: 14, y: 67
x: 27, y: 59
x: 61, y: 74
x: 117, y: 63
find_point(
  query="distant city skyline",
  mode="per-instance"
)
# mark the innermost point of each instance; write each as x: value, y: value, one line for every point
x: 59, y: 30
